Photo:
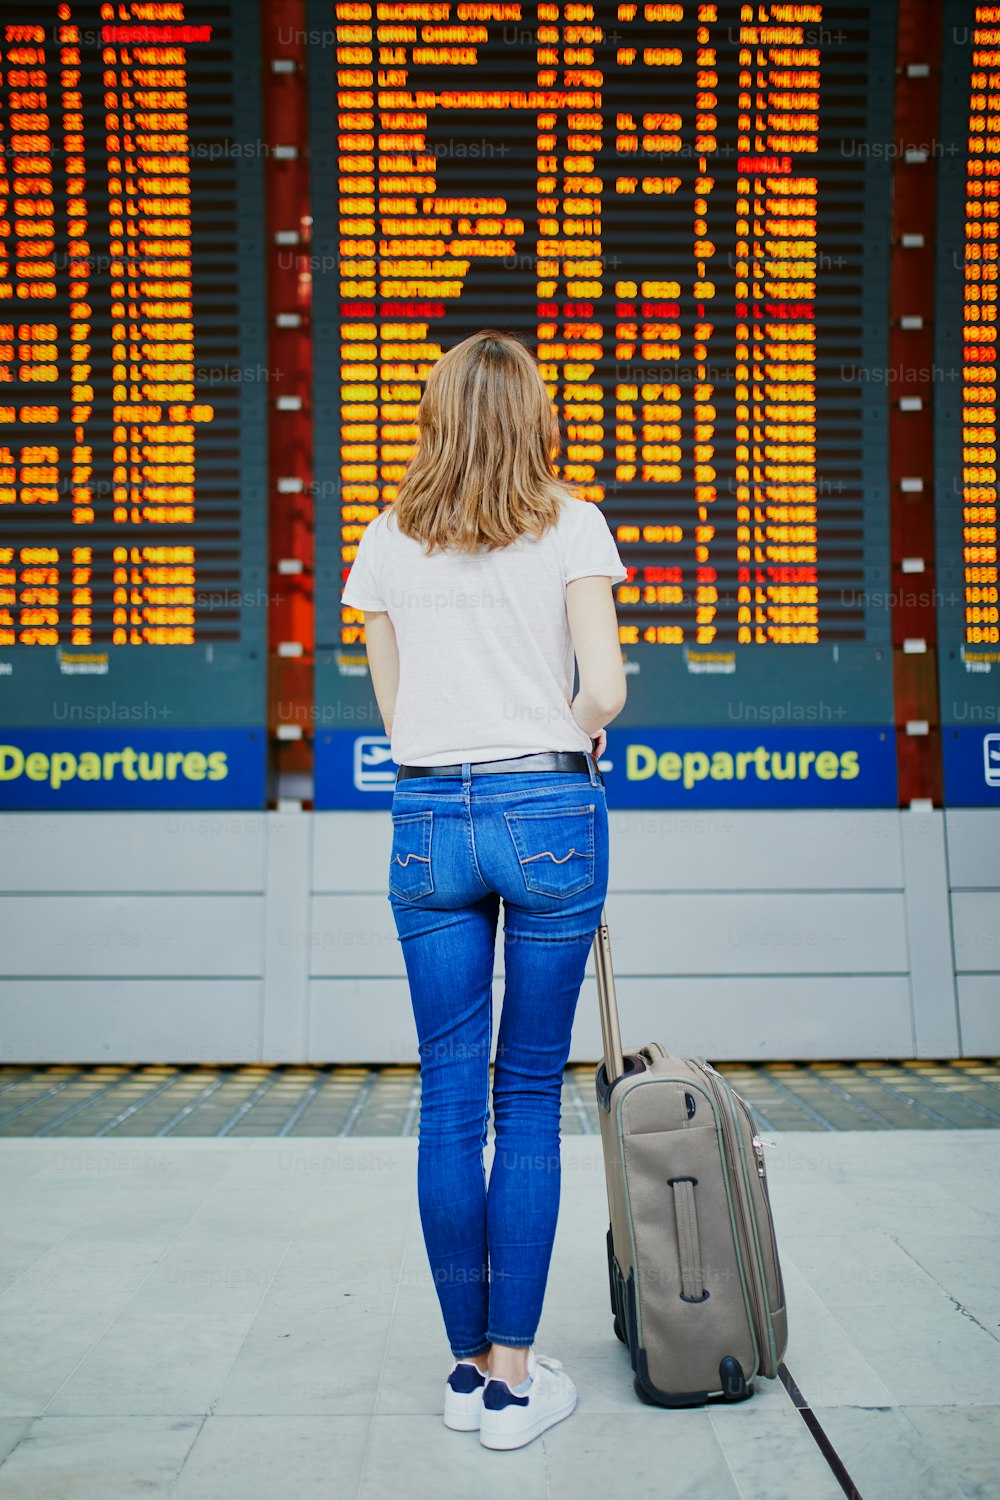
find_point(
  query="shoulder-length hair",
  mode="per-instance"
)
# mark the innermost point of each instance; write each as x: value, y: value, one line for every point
x: 482, y: 473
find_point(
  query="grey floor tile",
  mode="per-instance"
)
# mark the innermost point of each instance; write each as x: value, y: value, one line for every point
x: 284, y: 1288
x: 39, y: 1351
x: 919, y: 1350
x: 911, y: 1202
x: 419, y: 1457
x: 19, y: 1252
x: 323, y: 1359
x: 772, y: 1454
x: 266, y: 1458
x: 206, y: 1274
x: 874, y: 1272
x: 326, y: 1171
x: 827, y: 1364
x: 48, y: 1211
x: 98, y: 1458
x: 97, y: 1274
x: 966, y: 1443
x: 141, y: 1212
x: 603, y: 1385
x: 152, y: 1364
x: 12, y: 1430
x: 964, y: 1266
x: 648, y: 1454
x: 340, y: 1263
x: 17, y: 1164
x: 886, y: 1456
x: 417, y: 1358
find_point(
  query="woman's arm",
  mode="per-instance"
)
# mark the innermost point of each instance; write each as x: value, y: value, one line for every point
x: 593, y: 624
x: 383, y: 662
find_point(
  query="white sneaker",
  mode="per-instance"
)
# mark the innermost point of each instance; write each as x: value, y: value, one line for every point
x: 463, y: 1396
x: 510, y: 1421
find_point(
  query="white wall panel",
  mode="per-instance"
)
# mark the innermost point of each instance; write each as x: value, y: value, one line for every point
x: 976, y: 919
x: 670, y: 851
x: 166, y: 936
x: 973, y: 835
x: 188, y: 936
x: 725, y: 1019
x: 752, y: 851
x: 130, y: 1020
x: 121, y: 851
x: 664, y: 933
x: 979, y: 1011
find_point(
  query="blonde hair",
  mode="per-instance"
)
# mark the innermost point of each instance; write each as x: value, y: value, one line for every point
x: 482, y: 473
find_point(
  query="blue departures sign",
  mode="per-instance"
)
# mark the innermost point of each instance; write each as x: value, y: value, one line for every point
x: 672, y: 768
x: 126, y: 769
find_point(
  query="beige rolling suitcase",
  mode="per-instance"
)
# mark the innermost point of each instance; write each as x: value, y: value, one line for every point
x: 696, y: 1287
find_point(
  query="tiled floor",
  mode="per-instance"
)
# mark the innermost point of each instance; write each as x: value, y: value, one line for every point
x: 213, y: 1319
x: 343, y: 1100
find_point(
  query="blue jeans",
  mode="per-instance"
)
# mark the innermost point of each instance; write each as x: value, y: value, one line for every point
x: 539, y: 841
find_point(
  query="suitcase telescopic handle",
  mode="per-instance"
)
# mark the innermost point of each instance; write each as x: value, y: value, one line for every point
x: 607, y: 999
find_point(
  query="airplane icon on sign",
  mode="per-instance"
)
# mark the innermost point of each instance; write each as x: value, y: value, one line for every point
x: 991, y: 759
x: 374, y: 767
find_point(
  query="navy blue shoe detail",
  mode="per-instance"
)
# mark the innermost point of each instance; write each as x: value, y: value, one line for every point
x: 464, y: 1379
x: 498, y: 1394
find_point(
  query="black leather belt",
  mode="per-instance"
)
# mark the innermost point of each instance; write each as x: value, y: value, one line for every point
x: 545, y: 760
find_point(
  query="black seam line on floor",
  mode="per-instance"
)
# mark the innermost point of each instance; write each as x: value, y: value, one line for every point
x: 783, y: 1088
x: 191, y: 1106
x: 364, y: 1093
x: 56, y: 1088
x: 248, y: 1103
x: 836, y: 1464
x: 304, y: 1103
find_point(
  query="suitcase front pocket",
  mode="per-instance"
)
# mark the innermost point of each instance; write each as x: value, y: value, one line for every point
x: 555, y: 849
x: 692, y: 1307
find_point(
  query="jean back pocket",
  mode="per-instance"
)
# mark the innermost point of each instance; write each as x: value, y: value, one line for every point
x: 410, y: 874
x: 554, y: 848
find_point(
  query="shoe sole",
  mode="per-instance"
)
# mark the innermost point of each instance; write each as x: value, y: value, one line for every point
x: 518, y: 1439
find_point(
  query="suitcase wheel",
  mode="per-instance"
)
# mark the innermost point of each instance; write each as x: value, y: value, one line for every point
x: 618, y: 1331
x: 732, y: 1379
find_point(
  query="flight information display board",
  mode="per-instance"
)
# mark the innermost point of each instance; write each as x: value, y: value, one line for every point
x: 684, y: 209
x: 966, y: 431
x: 133, y: 399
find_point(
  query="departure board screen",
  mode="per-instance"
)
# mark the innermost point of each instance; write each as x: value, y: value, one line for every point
x: 966, y: 435
x: 684, y: 210
x: 133, y: 391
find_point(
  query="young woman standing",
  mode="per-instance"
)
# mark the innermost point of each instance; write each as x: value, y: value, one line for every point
x: 479, y: 584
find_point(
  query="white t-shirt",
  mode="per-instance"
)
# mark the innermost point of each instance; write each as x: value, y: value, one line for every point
x: 485, y: 652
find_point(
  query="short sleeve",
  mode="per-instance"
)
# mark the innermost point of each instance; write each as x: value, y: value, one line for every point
x: 362, y: 590
x: 590, y: 550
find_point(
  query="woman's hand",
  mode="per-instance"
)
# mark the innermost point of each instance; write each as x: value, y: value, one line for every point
x: 600, y: 743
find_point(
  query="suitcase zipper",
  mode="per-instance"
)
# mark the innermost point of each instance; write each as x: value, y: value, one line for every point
x: 758, y: 1292
x: 759, y: 1142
